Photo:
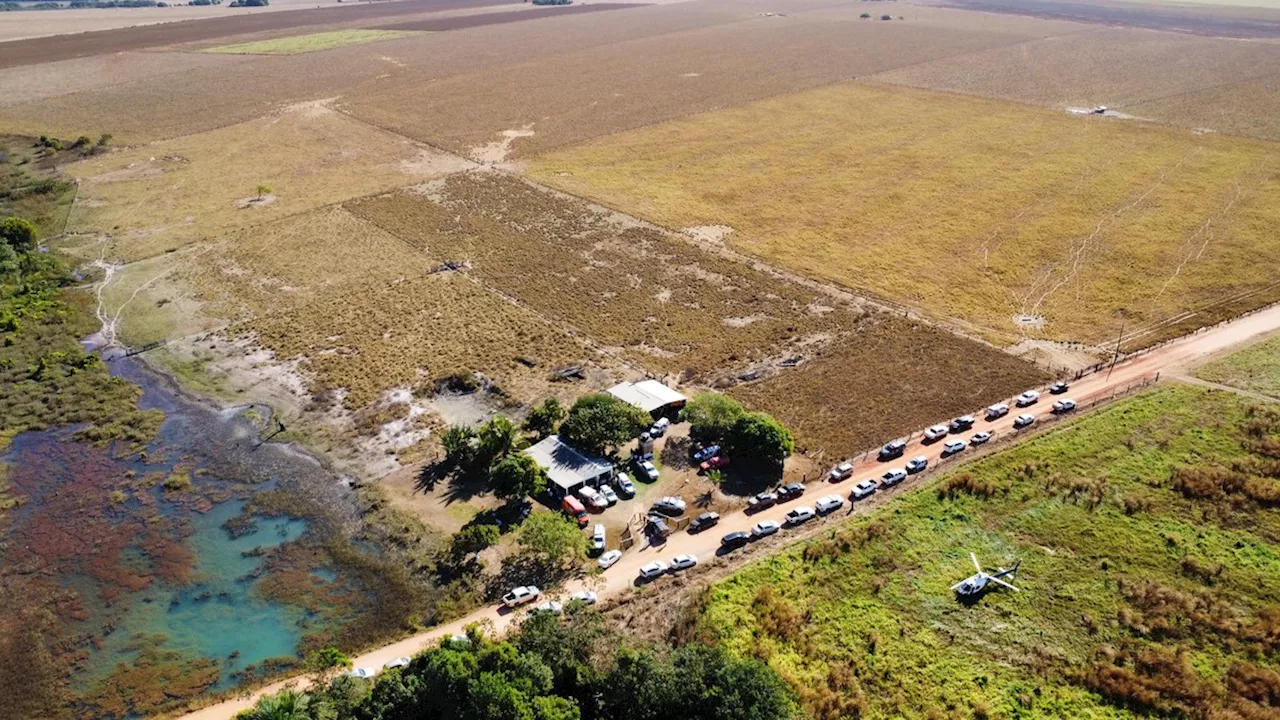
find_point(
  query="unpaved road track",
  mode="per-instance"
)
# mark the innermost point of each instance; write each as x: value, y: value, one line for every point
x: 1165, y: 361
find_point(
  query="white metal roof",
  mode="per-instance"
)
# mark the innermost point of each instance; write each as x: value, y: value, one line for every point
x: 565, y: 466
x: 648, y: 395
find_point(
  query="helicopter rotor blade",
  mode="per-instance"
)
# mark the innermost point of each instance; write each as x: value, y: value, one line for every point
x: 1011, y: 587
x: 957, y: 585
x: 975, y: 561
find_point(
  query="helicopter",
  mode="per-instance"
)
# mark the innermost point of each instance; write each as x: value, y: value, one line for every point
x: 977, y: 584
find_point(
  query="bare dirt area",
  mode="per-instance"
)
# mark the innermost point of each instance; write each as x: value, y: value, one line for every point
x: 39, y: 82
x: 498, y: 18
x: 1218, y: 19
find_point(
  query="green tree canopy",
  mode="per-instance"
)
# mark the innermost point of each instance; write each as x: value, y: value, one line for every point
x: 545, y: 418
x: 498, y: 439
x: 552, y: 537
x: 518, y: 476
x: 18, y: 234
x: 474, y: 538
x: 758, y: 437
x: 599, y: 421
x: 288, y: 704
x: 711, y: 416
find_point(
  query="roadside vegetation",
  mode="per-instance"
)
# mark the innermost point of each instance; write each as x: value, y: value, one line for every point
x: 1255, y: 369
x: 1147, y: 535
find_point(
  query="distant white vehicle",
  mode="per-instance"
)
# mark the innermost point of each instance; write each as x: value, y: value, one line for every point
x: 670, y: 505
x: 863, y: 489
x: 598, y: 538
x: 1023, y: 420
x: 893, y: 477
x: 397, y: 663
x: 586, y: 597
x: 764, y: 528
x: 610, y: 497
x: 625, y: 486
x: 363, y: 673
x: 1064, y: 406
x: 683, y: 562
x: 798, y: 515
x: 646, y: 469
x: 916, y: 464
x: 981, y: 438
x: 1030, y: 397
x: 521, y: 595
x: 659, y: 428
x: 935, y: 432
x: 998, y: 410
x: 592, y: 497
x: 551, y: 607
x: 653, y: 570
x: 607, y: 560
x: 840, y: 472
x: 829, y: 503
x: 953, y: 446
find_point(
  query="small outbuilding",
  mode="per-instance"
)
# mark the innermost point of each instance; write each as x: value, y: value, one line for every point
x: 651, y: 396
x: 567, y: 468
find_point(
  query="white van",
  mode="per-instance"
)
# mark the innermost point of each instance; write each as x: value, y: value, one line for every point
x: 659, y: 428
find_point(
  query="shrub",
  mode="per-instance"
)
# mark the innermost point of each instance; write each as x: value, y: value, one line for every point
x: 968, y: 484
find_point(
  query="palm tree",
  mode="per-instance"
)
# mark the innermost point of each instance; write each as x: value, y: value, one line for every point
x: 288, y: 704
x: 498, y: 438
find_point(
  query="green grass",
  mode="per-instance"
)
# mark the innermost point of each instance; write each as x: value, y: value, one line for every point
x: 863, y: 617
x: 1256, y: 369
x: 309, y: 43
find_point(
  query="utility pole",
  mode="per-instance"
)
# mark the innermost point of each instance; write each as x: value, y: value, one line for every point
x: 1116, y: 355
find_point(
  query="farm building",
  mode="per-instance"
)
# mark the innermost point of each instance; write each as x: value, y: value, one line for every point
x: 567, y: 468
x: 649, y: 395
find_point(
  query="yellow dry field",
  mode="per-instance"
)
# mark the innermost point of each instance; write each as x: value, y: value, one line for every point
x: 975, y: 209
x: 160, y: 197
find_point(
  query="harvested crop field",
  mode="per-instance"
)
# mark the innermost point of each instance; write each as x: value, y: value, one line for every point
x: 314, y: 42
x: 1017, y: 221
x: 887, y: 378
x: 1219, y: 19
x: 163, y: 196
x: 1225, y: 85
x: 656, y: 300
x: 1255, y: 369
x: 39, y: 82
x: 499, y: 18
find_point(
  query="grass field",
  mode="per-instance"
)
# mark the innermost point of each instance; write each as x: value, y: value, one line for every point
x: 313, y: 42
x: 1256, y: 369
x: 1147, y: 535
x: 980, y: 210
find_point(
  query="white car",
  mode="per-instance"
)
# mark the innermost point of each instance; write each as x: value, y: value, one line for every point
x: 935, y: 432
x: 362, y: 673
x: 1023, y: 420
x: 670, y: 505
x: 607, y: 560
x: 998, y: 410
x: 610, y: 497
x: 521, y: 595
x: 1064, y: 406
x: 683, y: 562
x: 592, y: 497
x: 653, y: 570
x: 659, y: 428
x: 981, y: 438
x: 647, y: 469
x: 863, y: 489
x: 586, y: 597
x: 953, y: 446
x: 764, y: 528
x: 893, y: 477
x: 917, y: 464
x: 552, y: 607
x: 625, y: 486
x: 1030, y: 397
x: 598, y: 538
x: 829, y: 503
x: 840, y: 472
x: 798, y: 515
x: 397, y: 663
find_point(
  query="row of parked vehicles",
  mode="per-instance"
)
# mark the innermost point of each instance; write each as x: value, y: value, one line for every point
x: 526, y: 594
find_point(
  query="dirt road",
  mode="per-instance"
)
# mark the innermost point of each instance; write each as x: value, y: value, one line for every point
x: 1163, y: 362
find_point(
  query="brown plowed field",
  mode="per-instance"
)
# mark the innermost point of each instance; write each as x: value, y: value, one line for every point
x: 43, y: 82
x: 1221, y: 20
x: 500, y: 18
x: 103, y: 42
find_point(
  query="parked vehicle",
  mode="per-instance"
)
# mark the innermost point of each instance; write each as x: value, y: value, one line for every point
x: 706, y: 453
x: 981, y: 438
x: 893, y: 449
x: 610, y: 497
x: 607, y: 560
x: 1024, y: 421
x: 645, y: 470
x: 364, y: 673
x: 586, y: 597
x: 659, y: 428
x: 1059, y: 387
x: 962, y: 423
x: 917, y: 464
x: 704, y: 521
x: 1064, y: 406
x: 790, y: 491
x: 936, y: 432
x: 764, y: 528
x: 1030, y: 397
x: 626, y: 488
x: 840, y: 472
x: 798, y: 515
x: 653, y: 570
x: 683, y: 562
x: 575, y: 509
x: 760, y: 501
x: 657, y: 529
x: 715, y: 463
x: 954, y: 446
x: 592, y: 497
x: 597, y: 539
x: 551, y: 606
x: 734, y: 540
x: 396, y: 663
x: 893, y: 477
x: 997, y: 411
x: 863, y: 489
x: 669, y: 505
x: 521, y: 595
x: 829, y: 503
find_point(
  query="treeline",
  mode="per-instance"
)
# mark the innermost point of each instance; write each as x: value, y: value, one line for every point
x: 552, y: 668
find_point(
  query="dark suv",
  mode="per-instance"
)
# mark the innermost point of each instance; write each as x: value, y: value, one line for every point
x: 735, y: 540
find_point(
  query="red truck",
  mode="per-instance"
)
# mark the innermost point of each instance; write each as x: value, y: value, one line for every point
x: 573, y: 507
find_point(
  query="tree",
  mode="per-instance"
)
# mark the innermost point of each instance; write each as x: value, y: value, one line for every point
x: 756, y: 436
x: 553, y: 538
x: 104, y: 139
x: 599, y: 421
x: 711, y: 416
x: 263, y: 190
x: 474, y: 538
x: 324, y: 663
x: 545, y: 418
x: 498, y: 438
x: 8, y: 260
x: 459, y: 442
x: 518, y: 476
x: 288, y: 704
x: 18, y: 234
